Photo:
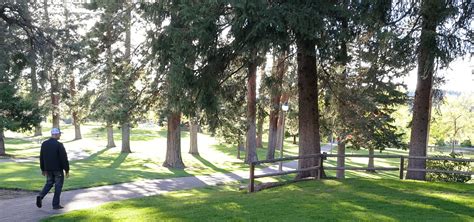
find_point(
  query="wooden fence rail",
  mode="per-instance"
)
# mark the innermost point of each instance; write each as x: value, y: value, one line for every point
x: 323, y: 156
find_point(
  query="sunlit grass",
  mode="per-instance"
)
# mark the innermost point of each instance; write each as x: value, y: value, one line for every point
x: 326, y: 200
x: 108, y: 166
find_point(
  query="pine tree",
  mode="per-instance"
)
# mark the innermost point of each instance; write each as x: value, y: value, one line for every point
x: 16, y: 111
x: 125, y: 120
x: 439, y: 41
x: 103, y: 56
x: 360, y: 82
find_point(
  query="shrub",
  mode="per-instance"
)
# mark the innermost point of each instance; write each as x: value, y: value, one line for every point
x: 466, y: 143
x: 450, y: 166
x: 440, y: 142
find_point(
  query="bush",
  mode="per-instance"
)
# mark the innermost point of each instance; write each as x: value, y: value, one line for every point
x: 440, y: 142
x: 466, y: 143
x: 451, y: 166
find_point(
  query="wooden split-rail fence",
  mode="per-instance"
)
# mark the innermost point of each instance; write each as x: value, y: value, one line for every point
x: 319, y: 168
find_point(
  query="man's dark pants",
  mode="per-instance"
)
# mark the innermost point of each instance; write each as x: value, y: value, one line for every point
x: 55, y: 178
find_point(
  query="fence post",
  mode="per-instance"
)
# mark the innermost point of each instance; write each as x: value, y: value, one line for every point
x: 402, y: 165
x: 320, y: 165
x: 252, y: 178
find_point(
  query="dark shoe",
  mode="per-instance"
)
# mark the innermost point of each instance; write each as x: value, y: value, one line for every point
x: 58, y: 207
x: 38, y: 201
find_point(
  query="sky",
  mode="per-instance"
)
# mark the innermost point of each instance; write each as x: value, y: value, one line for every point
x: 459, y: 76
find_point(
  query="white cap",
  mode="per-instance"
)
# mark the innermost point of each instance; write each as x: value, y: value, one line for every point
x: 55, y: 131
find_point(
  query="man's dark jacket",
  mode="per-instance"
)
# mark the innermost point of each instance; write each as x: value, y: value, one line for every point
x: 53, y: 156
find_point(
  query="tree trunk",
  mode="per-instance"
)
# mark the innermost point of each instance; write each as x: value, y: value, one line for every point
x: 371, y: 160
x: 239, y: 148
x: 55, y: 94
x: 77, y: 126
x: 173, y: 146
x: 341, y: 161
x: 260, y: 121
x: 110, y: 135
x: 193, y: 135
x: 108, y: 82
x: 279, y: 134
x: 281, y: 126
x: 272, y: 129
x: 294, y: 139
x: 456, y: 129
x: 279, y: 69
x: 77, y: 131
x: 251, y: 147
x: 423, y: 96
x: 75, y: 112
x: 54, y: 76
x: 38, y: 130
x: 2, y: 142
x: 126, y: 138
x: 309, y: 138
x: 34, y: 89
x: 452, y: 148
x: 343, y: 59
x: 261, y: 109
x: 126, y: 123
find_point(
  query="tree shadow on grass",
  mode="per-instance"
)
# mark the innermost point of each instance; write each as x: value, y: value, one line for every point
x: 96, y: 154
x: 231, y: 151
x: 406, y: 203
x: 210, y: 165
x: 97, y: 170
x: 119, y: 160
x: 346, y: 200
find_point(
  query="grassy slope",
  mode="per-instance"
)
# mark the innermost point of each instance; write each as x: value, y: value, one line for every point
x: 347, y: 200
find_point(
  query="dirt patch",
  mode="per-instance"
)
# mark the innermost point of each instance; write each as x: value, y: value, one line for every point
x: 11, y: 194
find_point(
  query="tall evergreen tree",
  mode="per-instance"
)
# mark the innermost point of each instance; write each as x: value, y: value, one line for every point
x: 126, y: 118
x: 70, y: 57
x: 306, y: 35
x: 104, y: 57
x: 33, y: 60
x: 369, y: 53
x: 446, y: 32
x: 51, y: 70
x: 174, y: 47
x: 17, y: 36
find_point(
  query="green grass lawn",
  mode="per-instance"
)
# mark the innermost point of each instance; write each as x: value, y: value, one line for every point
x: 326, y: 200
x: 109, y: 166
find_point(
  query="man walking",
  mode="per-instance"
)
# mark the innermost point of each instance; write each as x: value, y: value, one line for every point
x: 53, y: 163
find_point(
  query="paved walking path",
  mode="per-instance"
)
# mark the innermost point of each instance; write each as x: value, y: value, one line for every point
x: 24, y: 208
